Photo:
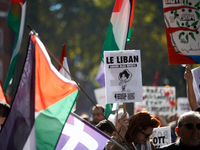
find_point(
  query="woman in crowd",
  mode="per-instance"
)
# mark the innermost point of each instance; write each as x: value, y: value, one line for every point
x: 138, y: 132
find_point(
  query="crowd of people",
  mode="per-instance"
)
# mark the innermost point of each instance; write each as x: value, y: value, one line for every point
x: 134, y: 132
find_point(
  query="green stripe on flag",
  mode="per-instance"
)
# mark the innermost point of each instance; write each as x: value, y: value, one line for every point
x: 13, y: 22
x: 10, y: 73
x: 108, y: 110
x: 50, y: 122
x: 109, y: 43
x: 129, y: 35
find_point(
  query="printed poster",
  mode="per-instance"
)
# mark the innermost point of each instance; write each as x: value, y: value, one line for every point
x: 160, y: 99
x: 161, y: 136
x: 182, y: 24
x: 123, y: 77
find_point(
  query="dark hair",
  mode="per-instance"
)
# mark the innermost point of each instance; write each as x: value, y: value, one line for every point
x: 140, y: 121
x: 106, y: 125
x: 4, y: 109
x: 125, y: 73
x: 98, y: 106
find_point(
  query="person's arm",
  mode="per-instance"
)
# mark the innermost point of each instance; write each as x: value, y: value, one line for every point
x: 122, y: 131
x: 189, y: 87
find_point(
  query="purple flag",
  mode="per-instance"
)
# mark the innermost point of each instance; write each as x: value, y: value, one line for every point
x: 79, y: 134
x: 100, y: 75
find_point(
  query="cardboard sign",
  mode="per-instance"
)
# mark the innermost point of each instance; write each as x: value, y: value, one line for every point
x: 158, y: 99
x: 182, y: 31
x: 182, y: 105
x: 123, y: 76
x: 161, y: 136
x: 100, y: 95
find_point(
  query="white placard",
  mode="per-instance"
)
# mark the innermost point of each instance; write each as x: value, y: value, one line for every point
x: 100, y: 95
x: 161, y: 136
x: 160, y: 99
x: 196, y: 83
x: 123, y: 76
x: 182, y: 105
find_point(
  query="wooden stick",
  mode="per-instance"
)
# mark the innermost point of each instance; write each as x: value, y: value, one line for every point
x: 124, y: 107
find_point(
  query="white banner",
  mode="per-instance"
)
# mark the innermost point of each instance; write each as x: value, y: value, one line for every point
x: 123, y: 76
x: 100, y: 95
x: 196, y: 83
x: 161, y: 136
x: 158, y: 99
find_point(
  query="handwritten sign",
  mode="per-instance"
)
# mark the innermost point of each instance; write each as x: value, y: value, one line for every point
x: 182, y: 30
x: 161, y: 136
x: 123, y: 76
x: 158, y: 100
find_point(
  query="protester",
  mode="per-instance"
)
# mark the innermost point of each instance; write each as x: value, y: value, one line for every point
x: 119, y: 138
x: 107, y: 127
x: 97, y: 114
x: 138, y: 132
x: 188, y: 130
x: 85, y: 117
x: 4, y: 111
x: 190, y: 90
x: 117, y: 116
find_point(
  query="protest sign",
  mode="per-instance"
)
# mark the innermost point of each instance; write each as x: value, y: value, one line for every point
x: 158, y: 99
x: 123, y: 76
x: 161, y: 136
x: 196, y: 82
x: 182, y: 31
x: 100, y: 95
x: 182, y: 105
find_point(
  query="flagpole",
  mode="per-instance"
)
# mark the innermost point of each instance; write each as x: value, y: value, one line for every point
x: 131, y: 1
x: 85, y: 94
x: 36, y: 34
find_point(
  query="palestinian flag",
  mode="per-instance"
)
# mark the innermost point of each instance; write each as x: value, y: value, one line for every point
x: 15, y: 20
x: 2, y: 97
x: 42, y: 104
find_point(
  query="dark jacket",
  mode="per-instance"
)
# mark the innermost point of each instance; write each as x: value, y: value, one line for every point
x: 178, y: 146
